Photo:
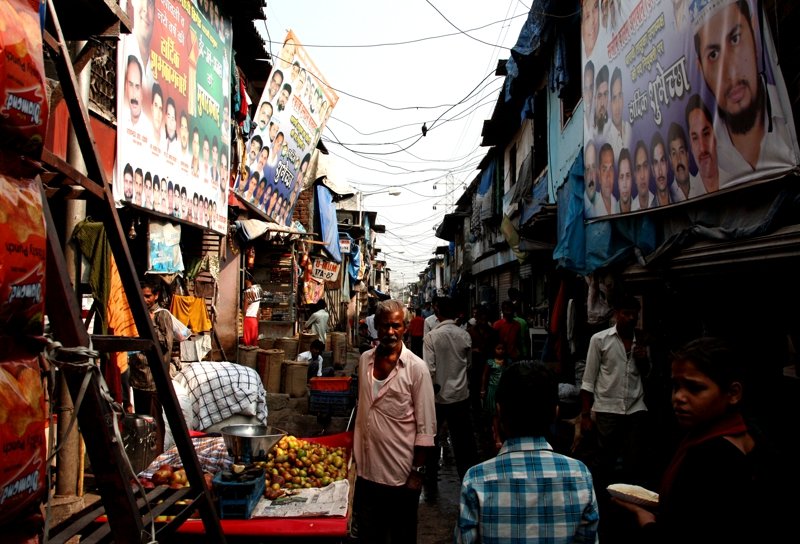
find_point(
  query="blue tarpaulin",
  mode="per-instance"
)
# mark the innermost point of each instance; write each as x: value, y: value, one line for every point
x: 585, y: 247
x: 328, y: 223
x: 532, y: 204
x: 530, y: 39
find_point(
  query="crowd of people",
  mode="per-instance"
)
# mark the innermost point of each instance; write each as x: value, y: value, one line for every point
x: 478, y: 381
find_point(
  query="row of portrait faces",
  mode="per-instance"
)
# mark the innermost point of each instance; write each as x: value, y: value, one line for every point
x: 654, y: 173
x: 265, y: 196
x: 752, y: 120
x: 170, y: 130
x: 162, y: 195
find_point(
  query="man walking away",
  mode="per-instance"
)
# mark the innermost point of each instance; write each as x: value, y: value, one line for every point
x: 447, y: 349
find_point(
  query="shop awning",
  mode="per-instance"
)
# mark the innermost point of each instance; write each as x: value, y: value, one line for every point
x: 323, y: 169
x: 250, y: 229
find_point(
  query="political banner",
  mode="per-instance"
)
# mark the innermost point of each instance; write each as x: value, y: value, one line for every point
x: 288, y: 121
x: 173, y: 137
x: 682, y: 100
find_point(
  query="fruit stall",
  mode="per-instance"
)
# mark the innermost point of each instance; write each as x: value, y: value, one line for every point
x: 298, y: 488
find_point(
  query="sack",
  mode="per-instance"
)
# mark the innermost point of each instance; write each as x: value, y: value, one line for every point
x: 180, y: 332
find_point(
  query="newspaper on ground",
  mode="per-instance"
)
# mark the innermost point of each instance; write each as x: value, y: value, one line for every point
x: 330, y: 500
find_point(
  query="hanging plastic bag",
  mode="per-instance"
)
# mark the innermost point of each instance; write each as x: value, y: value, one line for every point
x: 180, y: 332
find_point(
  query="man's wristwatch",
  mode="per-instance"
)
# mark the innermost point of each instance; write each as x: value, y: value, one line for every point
x: 421, y: 470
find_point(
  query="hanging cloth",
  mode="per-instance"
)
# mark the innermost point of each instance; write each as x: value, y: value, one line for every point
x: 192, y: 312
x: 91, y: 239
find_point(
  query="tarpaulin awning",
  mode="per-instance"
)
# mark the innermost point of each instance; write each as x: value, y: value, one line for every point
x: 250, y: 229
x: 323, y: 168
x: 329, y: 226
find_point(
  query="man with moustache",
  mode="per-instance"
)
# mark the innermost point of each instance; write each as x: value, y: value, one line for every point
x: 183, y: 136
x: 619, y: 131
x: 171, y: 128
x: 607, y: 174
x: 144, y: 14
x: 275, y: 83
x: 127, y: 182
x: 641, y: 163
x: 685, y: 185
x: 395, y: 428
x: 133, y: 95
x: 703, y: 143
x: 658, y: 154
x: 138, y: 186
x: 624, y: 180
x: 283, y: 98
x: 205, y: 160
x: 601, y: 102
x: 752, y: 136
x: 592, y: 203
x: 263, y: 117
x: 253, y: 149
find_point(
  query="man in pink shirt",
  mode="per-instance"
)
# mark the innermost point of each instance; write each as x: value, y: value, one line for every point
x: 395, y: 426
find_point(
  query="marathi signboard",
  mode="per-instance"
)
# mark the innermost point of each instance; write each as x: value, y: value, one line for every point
x: 288, y: 121
x: 682, y: 99
x: 173, y: 141
x: 325, y: 270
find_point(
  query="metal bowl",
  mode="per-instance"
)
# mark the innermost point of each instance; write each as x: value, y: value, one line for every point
x: 248, y: 443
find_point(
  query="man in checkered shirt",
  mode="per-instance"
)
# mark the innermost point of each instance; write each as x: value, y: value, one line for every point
x: 528, y: 493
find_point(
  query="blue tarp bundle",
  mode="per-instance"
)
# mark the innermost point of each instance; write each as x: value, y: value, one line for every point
x: 328, y: 223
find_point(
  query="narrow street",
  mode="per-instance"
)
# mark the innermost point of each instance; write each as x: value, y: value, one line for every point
x: 438, y: 511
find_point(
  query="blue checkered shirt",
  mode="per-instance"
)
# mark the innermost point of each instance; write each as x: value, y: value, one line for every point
x: 528, y: 493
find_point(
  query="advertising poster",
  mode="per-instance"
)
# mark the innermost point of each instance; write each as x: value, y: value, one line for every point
x: 288, y: 122
x: 164, y: 248
x: 173, y: 145
x: 682, y: 99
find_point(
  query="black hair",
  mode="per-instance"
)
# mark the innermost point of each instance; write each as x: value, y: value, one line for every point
x: 654, y: 141
x: 446, y: 307
x: 602, y: 76
x: 528, y: 397
x: 318, y: 344
x: 676, y: 131
x: 715, y: 358
x: 624, y: 155
x: 696, y: 103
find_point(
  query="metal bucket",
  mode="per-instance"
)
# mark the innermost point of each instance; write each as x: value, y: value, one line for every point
x: 247, y: 443
x: 139, y: 437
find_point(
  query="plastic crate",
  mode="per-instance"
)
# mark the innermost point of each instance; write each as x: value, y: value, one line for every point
x: 335, y: 403
x: 337, y: 383
x: 237, y: 500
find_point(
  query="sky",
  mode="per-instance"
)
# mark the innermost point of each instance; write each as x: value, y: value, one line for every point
x: 395, y: 66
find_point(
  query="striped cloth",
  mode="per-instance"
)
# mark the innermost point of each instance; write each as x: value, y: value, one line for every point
x: 211, y: 453
x: 220, y: 389
x: 528, y: 493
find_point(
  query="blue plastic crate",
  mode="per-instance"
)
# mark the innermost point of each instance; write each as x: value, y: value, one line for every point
x: 335, y: 403
x: 237, y: 500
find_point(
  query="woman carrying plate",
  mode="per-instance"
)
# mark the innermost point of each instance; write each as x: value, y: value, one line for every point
x: 716, y: 488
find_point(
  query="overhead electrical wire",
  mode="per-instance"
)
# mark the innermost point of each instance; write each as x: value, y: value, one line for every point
x: 406, y: 42
x: 469, y: 108
x: 451, y: 23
